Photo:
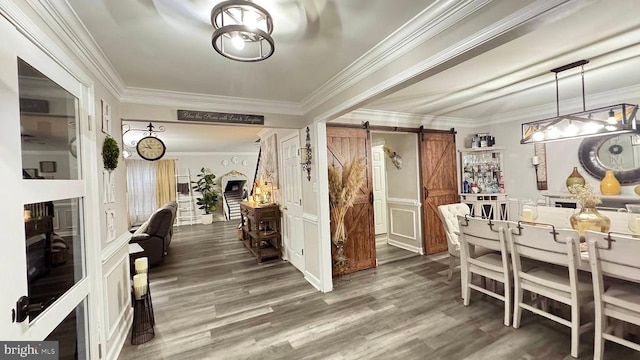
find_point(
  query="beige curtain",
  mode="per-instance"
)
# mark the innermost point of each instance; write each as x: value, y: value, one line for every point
x: 166, y: 182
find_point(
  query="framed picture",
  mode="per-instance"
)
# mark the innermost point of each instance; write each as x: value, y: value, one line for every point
x: 106, y: 118
x: 269, y: 160
x: 48, y: 166
x: 30, y: 173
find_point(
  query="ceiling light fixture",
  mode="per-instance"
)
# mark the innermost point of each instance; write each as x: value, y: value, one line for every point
x: 615, y: 119
x: 242, y: 31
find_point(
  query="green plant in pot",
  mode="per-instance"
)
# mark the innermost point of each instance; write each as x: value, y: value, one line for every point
x: 110, y: 153
x: 209, y: 197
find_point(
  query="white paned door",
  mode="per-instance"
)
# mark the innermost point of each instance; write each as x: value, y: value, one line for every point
x: 45, y: 282
x: 292, y: 197
x: 379, y: 189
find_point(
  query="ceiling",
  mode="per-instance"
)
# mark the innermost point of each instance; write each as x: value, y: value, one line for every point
x: 166, y: 45
x: 516, y: 75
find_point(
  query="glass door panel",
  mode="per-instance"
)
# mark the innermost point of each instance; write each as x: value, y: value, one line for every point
x: 71, y: 335
x: 48, y: 127
x: 54, y: 247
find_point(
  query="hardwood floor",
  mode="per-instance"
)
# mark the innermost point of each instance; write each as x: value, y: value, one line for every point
x: 213, y: 301
x: 386, y: 253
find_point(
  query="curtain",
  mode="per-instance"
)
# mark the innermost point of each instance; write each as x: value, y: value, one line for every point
x: 141, y: 190
x: 166, y: 182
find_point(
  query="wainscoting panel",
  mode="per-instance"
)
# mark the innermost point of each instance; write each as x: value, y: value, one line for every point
x: 311, y: 250
x: 405, y: 229
x: 117, y: 290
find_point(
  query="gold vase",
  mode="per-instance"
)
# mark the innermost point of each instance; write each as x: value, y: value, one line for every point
x: 575, y: 178
x: 609, y: 184
x: 588, y: 218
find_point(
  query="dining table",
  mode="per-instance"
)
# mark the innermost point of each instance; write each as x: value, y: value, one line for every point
x: 559, y: 218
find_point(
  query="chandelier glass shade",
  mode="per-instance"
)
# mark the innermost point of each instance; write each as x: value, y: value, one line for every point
x: 594, y: 122
x: 242, y: 31
x: 609, y: 120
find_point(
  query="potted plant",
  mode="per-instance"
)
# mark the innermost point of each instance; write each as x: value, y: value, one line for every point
x: 209, y: 197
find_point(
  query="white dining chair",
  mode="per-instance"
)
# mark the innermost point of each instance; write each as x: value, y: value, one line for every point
x: 558, y: 279
x: 616, y: 256
x: 449, y: 216
x: 489, y: 234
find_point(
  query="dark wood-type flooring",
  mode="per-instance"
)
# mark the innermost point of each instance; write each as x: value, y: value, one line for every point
x: 213, y: 301
x: 386, y: 253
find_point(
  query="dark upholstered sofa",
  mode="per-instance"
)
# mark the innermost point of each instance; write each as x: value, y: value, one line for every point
x: 154, y: 236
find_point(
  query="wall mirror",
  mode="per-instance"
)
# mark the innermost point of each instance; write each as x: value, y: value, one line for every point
x: 620, y: 153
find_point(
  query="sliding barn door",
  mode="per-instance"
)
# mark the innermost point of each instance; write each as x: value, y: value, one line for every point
x: 343, y: 144
x: 439, y: 185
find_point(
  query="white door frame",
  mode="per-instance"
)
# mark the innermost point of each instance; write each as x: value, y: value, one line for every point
x: 292, y: 212
x: 16, y: 192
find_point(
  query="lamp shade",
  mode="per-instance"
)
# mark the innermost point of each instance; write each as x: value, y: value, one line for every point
x: 594, y: 122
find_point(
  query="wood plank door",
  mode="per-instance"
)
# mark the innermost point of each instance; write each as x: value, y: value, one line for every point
x: 343, y: 145
x: 439, y: 185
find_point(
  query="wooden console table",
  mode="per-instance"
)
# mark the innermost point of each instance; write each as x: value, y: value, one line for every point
x: 261, y: 230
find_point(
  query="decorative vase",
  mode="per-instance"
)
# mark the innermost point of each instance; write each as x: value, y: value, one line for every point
x: 575, y: 178
x: 340, y: 261
x: 588, y: 218
x: 609, y: 184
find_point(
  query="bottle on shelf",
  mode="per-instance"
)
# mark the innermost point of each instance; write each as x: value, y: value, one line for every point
x: 465, y: 186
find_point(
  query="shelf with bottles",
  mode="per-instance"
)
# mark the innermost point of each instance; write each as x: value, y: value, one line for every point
x: 482, y: 171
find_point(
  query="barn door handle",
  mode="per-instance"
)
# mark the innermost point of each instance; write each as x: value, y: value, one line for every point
x: 426, y: 193
x: 371, y: 198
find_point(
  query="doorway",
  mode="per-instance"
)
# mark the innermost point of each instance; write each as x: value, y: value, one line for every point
x: 396, y: 195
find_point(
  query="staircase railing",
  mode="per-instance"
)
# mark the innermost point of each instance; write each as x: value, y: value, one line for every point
x: 226, y: 202
x: 255, y: 176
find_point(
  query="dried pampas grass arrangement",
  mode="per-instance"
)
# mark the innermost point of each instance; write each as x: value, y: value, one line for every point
x: 343, y: 189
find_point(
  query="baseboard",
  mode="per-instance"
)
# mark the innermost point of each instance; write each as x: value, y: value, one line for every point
x: 407, y: 247
x: 311, y: 279
x: 122, y: 335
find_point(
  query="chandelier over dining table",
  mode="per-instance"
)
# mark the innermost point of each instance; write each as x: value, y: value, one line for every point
x: 242, y: 31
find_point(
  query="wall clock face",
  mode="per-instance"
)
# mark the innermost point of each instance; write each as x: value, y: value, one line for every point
x: 151, y: 148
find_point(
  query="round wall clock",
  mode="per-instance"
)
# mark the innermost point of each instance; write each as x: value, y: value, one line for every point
x: 151, y: 148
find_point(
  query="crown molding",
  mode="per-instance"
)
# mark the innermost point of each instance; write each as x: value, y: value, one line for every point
x: 532, y: 76
x: 135, y: 95
x: 42, y: 40
x: 538, y: 11
x: 66, y: 25
x: 399, y: 119
x: 424, y: 26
